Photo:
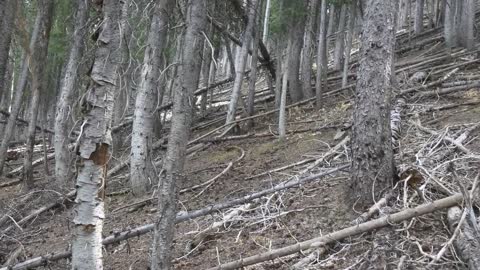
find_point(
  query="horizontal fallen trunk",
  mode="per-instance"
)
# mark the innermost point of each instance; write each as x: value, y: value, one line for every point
x: 181, y: 217
x: 449, y: 90
x: 344, y: 233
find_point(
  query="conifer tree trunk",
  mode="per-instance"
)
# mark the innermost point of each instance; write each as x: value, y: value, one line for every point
x: 62, y: 154
x: 449, y: 26
x: 142, y: 171
x: 265, y: 22
x: 240, y: 68
x: 351, y: 31
x: 340, y: 39
x: 187, y: 83
x: 205, y: 72
x: 253, y: 73
x: 418, y: 26
x: 16, y: 104
x: 95, y: 141
x: 321, y: 53
x: 39, y: 52
x: 467, y: 22
x: 295, y: 44
x: 7, y: 12
x: 372, y: 155
x: 307, y: 50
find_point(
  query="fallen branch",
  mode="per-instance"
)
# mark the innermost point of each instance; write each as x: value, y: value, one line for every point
x: 181, y: 217
x: 344, y: 233
x: 449, y: 90
x: 432, y: 84
x: 25, y: 122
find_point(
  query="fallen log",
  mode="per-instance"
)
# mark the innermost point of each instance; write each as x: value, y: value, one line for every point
x: 449, y: 90
x: 181, y: 217
x: 428, y: 85
x: 25, y: 122
x: 344, y: 233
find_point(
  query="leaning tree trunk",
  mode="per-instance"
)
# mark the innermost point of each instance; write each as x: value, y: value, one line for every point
x: 449, y: 26
x: 348, y: 49
x: 418, y: 26
x: 189, y: 73
x: 95, y: 141
x: 16, y: 105
x: 307, y: 50
x: 7, y: 12
x: 372, y: 155
x: 240, y: 68
x: 321, y: 53
x: 142, y: 171
x: 39, y: 58
x: 265, y: 22
x: 340, y: 39
x: 62, y: 153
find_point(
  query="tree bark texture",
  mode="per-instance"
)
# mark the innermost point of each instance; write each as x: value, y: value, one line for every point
x: 340, y: 39
x: 253, y: 72
x: 321, y: 53
x: 307, y: 54
x: 189, y: 73
x: 240, y: 68
x: 7, y: 13
x: 295, y: 44
x: 67, y: 87
x: 450, y: 25
x: 38, y: 72
x: 142, y: 171
x: 348, y: 49
x: 372, y: 155
x: 467, y: 21
x: 95, y: 141
x: 418, y: 25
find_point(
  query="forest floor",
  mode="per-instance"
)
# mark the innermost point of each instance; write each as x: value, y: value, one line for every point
x: 292, y: 215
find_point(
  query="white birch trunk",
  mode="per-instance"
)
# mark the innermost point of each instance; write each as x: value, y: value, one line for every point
x: 95, y: 142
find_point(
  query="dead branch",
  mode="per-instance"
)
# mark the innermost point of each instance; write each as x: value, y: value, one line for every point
x: 25, y: 122
x: 344, y: 233
x: 432, y: 84
x: 449, y: 90
x: 181, y: 217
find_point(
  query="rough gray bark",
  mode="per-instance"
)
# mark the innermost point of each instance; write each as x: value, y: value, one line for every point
x: 295, y: 44
x: 253, y: 73
x: 331, y: 19
x: 340, y: 39
x: 282, y: 129
x: 348, y: 49
x: 7, y: 12
x: 205, y: 71
x: 450, y: 25
x: 278, y: 80
x: 467, y: 22
x: 307, y: 54
x: 467, y: 243
x: 95, y: 141
x: 321, y: 53
x: 62, y: 154
x: 189, y: 73
x: 372, y: 155
x: 418, y: 25
x: 38, y: 86
x: 240, y: 68
x: 16, y: 105
x: 142, y: 171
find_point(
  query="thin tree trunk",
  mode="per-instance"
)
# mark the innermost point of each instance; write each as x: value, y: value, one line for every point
x: 187, y: 83
x: 265, y: 22
x: 307, y: 50
x: 62, y: 154
x: 7, y: 12
x: 321, y: 53
x: 331, y: 20
x: 467, y: 23
x: 278, y: 79
x: 348, y: 49
x: 282, y: 129
x: 39, y: 58
x: 449, y: 26
x: 418, y: 27
x: 340, y: 39
x: 372, y: 154
x: 142, y: 171
x: 95, y: 141
x: 240, y: 69
x: 253, y: 73
x: 205, y: 71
